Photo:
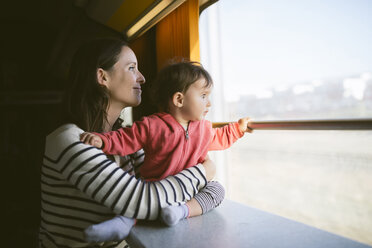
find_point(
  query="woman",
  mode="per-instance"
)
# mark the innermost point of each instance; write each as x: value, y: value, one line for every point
x: 80, y: 186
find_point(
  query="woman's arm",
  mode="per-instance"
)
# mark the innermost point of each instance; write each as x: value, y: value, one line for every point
x: 210, y: 168
x: 89, y: 170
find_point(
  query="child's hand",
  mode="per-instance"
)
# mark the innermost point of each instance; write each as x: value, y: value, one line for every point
x: 91, y: 139
x: 244, y: 125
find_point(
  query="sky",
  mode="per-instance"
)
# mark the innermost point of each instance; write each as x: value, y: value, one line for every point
x: 267, y: 43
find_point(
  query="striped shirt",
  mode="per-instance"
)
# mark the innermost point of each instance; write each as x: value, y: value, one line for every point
x: 80, y: 186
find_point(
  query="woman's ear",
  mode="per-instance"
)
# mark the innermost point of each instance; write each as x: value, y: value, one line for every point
x: 102, y: 77
x: 178, y: 99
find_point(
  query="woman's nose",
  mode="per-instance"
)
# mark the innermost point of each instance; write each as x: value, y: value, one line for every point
x: 140, y: 78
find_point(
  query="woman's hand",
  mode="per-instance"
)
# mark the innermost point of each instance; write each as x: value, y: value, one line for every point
x: 244, y: 125
x: 210, y: 168
x: 91, y: 139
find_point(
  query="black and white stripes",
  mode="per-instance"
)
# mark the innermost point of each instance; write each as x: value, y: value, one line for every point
x: 211, y: 196
x: 80, y: 187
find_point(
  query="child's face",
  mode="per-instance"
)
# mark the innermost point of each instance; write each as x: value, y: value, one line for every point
x: 196, y: 101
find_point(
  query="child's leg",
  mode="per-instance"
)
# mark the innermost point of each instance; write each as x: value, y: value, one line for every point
x: 194, y: 207
x: 115, y: 229
x: 208, y: 198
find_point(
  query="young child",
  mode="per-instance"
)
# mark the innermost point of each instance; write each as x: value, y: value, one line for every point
x: 176, y: 138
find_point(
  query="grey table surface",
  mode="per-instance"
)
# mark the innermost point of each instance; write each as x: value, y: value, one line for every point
x: 236, y: 225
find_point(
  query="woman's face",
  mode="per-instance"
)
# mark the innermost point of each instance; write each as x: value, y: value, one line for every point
x: 124, y: 80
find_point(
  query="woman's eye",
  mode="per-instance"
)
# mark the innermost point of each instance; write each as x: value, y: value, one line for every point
x: 131, y: 68
x: 204, y: 96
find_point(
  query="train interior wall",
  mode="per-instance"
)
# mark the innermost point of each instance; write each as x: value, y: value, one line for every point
x: 37, y: 42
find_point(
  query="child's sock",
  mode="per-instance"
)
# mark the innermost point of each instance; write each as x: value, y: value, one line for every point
x: 173, y: 214
x: 115, y: 229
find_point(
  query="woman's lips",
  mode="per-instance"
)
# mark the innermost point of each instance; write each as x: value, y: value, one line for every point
x: 138, y: 89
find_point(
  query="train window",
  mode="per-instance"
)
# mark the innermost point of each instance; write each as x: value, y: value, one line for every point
x: 295, y: 60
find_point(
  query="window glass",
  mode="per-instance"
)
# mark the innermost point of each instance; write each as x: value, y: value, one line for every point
x: 278, y: 60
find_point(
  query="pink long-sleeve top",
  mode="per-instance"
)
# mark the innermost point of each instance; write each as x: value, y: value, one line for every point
x: 169, y: 148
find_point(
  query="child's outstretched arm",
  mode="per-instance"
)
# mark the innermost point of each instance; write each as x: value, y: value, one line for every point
x: 91, y: 139
x: 224, y: 137
x: 244, y: 125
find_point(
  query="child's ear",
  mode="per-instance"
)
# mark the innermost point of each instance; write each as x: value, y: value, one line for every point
x: 178, y: 99
x: 102, y: 77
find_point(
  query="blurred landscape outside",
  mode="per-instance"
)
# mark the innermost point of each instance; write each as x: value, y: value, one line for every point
x: 295, y: 60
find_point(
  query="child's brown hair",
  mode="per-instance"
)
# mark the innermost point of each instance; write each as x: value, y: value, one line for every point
x: 177, y: 77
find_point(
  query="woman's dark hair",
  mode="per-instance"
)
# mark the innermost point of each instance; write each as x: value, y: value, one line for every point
x: 177, y: 77
x: 86, y: 101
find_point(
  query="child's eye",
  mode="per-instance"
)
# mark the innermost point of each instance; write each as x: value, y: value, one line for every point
x: 204, y: 96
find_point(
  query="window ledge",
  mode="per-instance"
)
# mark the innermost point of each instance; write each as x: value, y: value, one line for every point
x: 236, y: 225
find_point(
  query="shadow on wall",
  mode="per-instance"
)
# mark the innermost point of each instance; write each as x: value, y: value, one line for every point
x: 37, y: 43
